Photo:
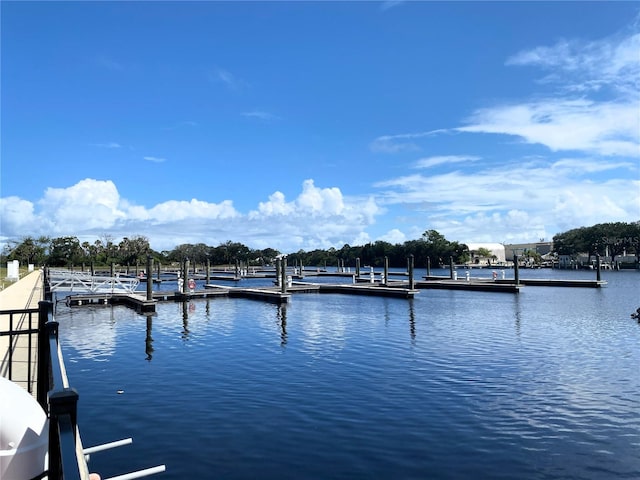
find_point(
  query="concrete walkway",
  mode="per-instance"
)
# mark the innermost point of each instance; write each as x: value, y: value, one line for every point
x: 23, y: 294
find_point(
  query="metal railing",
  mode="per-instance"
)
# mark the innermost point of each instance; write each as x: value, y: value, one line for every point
x: 16, y: 319
x: 59, y: 401
x: 84, y: 282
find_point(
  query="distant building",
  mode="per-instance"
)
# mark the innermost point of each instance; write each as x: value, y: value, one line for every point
x: 541, y: 248
x: 497, y: 253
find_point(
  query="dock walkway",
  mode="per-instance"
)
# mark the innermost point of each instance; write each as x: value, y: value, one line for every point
x: 14, y: 350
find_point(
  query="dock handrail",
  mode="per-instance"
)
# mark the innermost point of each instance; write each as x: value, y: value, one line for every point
x: 69, y: 280
x: 27, y: 314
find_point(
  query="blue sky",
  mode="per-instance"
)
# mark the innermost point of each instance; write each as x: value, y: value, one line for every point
x: 303, y: 125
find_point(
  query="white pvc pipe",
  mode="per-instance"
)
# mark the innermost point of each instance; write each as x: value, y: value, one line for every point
x: 106, y: 446
x: 139, y: 473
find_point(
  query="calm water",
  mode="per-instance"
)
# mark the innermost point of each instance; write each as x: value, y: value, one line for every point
x: 544, y: 384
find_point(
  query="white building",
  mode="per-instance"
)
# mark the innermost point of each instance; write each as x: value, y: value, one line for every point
x: 497, y: 253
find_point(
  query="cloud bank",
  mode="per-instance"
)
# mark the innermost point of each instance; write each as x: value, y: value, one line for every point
x: 316, y: 218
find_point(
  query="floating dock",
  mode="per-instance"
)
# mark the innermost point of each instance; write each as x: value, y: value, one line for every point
x: 474, y: 285
x: 547, y: 282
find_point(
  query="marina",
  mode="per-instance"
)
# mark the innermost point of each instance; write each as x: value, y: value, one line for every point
x: 536, y: 385
x: 315, y: 371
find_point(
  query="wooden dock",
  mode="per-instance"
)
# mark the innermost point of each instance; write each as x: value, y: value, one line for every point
x: 136, y: 301
x: 15, y: 354
x: 363, y: 286
x: 548, y: 282
x: 473, y: 285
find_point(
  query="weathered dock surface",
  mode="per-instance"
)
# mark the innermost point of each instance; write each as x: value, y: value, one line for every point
x: 22, y: 295
x: 547, y: 282
x: 398, y: 290
x: 534, y: 282
x: 473, y: 285
x: 136, y: 301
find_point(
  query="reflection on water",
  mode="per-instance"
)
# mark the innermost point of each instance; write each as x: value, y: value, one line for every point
x: 282, y: 320
x: 148, y: 341
x: 185, y: 320
x: 412, y: 321
x: 92, y: 331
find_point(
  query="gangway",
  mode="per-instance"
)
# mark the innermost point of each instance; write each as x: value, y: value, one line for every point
x: 68, y: 280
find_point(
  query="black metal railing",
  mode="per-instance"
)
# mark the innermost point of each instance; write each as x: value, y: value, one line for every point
x: 58, y: 399
x: 17, y: 320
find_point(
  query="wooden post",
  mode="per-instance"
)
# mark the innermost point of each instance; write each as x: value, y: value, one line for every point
x: 386, y: 270
x: 411, y: 280
x: 185, y: 279
x: 112, y: 270
x: 428, y: 267
x: 451, y: 268
x: 93, y: 271
x: 358, y: 267
x: 149, y: 277
x: 516, y: 270
x: 208, y: 269
x: 278, y: 268
x: 237, y: 268
x: 283, y: 272
x: 598, y: 278
x: 158, y: 270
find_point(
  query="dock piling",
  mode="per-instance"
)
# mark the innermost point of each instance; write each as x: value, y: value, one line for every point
x: 386, y: 270
x: 149, y: 277
x: 410, y: 268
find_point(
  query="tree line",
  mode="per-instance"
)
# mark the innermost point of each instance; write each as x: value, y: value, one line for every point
x: 605, y: 239
x: 612, y: 239
x: 69, y: 251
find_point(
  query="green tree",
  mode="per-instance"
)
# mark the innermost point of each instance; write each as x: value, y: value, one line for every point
x: 30, y: 250
x: 65, y: 251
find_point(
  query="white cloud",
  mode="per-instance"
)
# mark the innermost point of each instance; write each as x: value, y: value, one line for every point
x: 261, y: 115
x: 400, y: 143
x: 16, y: 215
x: 88, y: 204
x: 600, y: 128
x: 107, y: 145
x: 316, y: 218
x: 155, y: 159
x: 231, y: 81
x: 607, y: 123
x: 612, y: 62
x: 444, y: 160
x: 394, y: 236
x: 593, y: 114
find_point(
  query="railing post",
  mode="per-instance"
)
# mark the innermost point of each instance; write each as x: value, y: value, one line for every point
x: 46, y: 282
x: 44, y: 355
x: 63, y: 407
